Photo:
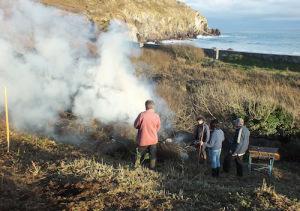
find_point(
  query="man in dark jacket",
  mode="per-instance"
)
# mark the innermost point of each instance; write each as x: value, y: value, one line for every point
x: 201, y: 136
x: 240, y: 145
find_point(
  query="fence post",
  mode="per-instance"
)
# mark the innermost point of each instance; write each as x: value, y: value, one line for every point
x: 217, y: 54
x: 6, y: 119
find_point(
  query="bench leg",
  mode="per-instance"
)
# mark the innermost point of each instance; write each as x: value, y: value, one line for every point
x: 271, y: 163
x: 249, y: 163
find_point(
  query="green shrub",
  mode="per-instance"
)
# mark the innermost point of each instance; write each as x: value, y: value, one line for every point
x: 234, y: 58
x: 274, y: 123
x: 265, y: 118
x: 191, y: 54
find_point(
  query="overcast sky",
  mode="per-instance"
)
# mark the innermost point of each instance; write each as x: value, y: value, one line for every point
x: 254, y: 14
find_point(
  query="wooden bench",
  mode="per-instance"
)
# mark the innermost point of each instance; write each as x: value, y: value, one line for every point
x: 263, y: 153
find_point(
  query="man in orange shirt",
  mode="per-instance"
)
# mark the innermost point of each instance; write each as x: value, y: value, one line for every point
x: 148, y: 125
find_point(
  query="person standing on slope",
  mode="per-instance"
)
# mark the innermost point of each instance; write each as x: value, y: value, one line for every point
x: 201, y: 136
x: 214, y: 146
x: 240, y: 145
x: 148, y: 124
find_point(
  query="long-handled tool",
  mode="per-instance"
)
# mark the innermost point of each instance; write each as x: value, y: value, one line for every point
x: 200, y: 146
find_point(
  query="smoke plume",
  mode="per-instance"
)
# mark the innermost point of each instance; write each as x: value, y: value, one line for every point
x: 48, y: 65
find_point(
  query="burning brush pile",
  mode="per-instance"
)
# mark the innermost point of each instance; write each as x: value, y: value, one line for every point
x: 118, y: 139
x: 48, y: 67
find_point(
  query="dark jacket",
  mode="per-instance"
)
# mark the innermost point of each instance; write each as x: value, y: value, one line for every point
x: 199, y: 129
x: 240, y: 141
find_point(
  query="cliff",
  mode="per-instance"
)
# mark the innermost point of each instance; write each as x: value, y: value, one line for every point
x: 150, y: 20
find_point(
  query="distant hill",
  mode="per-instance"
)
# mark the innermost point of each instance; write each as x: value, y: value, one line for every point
x: 151, y: 20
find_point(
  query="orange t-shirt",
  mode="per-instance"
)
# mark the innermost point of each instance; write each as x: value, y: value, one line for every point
x: 148, y: 124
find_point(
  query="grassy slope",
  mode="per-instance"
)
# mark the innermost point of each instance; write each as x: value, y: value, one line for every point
x: 152, y: 20
x: 41, y: 174
x: 192, y: 83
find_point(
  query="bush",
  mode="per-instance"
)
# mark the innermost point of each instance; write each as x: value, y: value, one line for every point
x: 191, y: 54
x: 264, y: 114
x: 272, y: 122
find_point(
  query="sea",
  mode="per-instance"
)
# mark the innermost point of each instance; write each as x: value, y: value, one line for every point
x: 270, y: 42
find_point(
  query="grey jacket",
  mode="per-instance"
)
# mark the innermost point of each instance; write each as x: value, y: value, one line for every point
x: 241, y: 141
x: 216, y: 139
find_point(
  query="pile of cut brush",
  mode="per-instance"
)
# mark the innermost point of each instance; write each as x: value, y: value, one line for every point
x: 118, y: 139
x: 177, y: 147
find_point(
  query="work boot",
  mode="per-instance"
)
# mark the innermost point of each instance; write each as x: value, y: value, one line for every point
x: 213, y: 172
x: 152, y: 164
x: 218, y: 172
x: 137, y: 159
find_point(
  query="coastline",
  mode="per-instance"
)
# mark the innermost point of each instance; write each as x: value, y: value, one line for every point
x: 192, y: 42
x: 265, y: 42
x: 265, y: 60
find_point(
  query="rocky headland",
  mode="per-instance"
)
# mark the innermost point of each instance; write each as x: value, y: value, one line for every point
x: 149, y: 20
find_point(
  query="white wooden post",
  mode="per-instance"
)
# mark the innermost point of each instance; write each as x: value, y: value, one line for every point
x: 217, y: 53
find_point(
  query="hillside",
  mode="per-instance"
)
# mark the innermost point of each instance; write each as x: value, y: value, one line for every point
x: 40, y: 173
x: 191, y: 84
x: 150, y: 20
x: 87, y: 164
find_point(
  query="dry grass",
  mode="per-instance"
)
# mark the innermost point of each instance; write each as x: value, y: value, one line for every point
x: 193, y: 84
x: 270, y: 200
x: 41, y: 174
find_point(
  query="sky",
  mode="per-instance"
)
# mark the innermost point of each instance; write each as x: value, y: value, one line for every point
x: 249, y: 14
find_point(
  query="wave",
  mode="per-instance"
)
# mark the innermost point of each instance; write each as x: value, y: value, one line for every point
x: 212, y: 37
x: 175, y: 41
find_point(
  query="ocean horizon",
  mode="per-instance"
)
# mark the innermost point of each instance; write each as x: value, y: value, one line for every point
x: 270, y: 42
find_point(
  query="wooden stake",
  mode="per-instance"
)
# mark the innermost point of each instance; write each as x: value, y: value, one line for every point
x: 6, y: 118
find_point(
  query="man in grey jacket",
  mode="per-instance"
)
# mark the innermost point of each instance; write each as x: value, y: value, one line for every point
x: 240, y: 145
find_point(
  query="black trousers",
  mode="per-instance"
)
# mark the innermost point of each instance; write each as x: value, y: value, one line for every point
x: 239, y: 165
x: 227, y: 163
x: 238, y: 162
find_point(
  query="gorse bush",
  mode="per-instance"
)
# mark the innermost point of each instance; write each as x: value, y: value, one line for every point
x: 228, y: 102
x: 266, y: 119
x: 275, y: 122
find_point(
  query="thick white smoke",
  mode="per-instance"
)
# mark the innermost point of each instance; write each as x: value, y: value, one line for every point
x: 113, y: 92
x: 47, y: 65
